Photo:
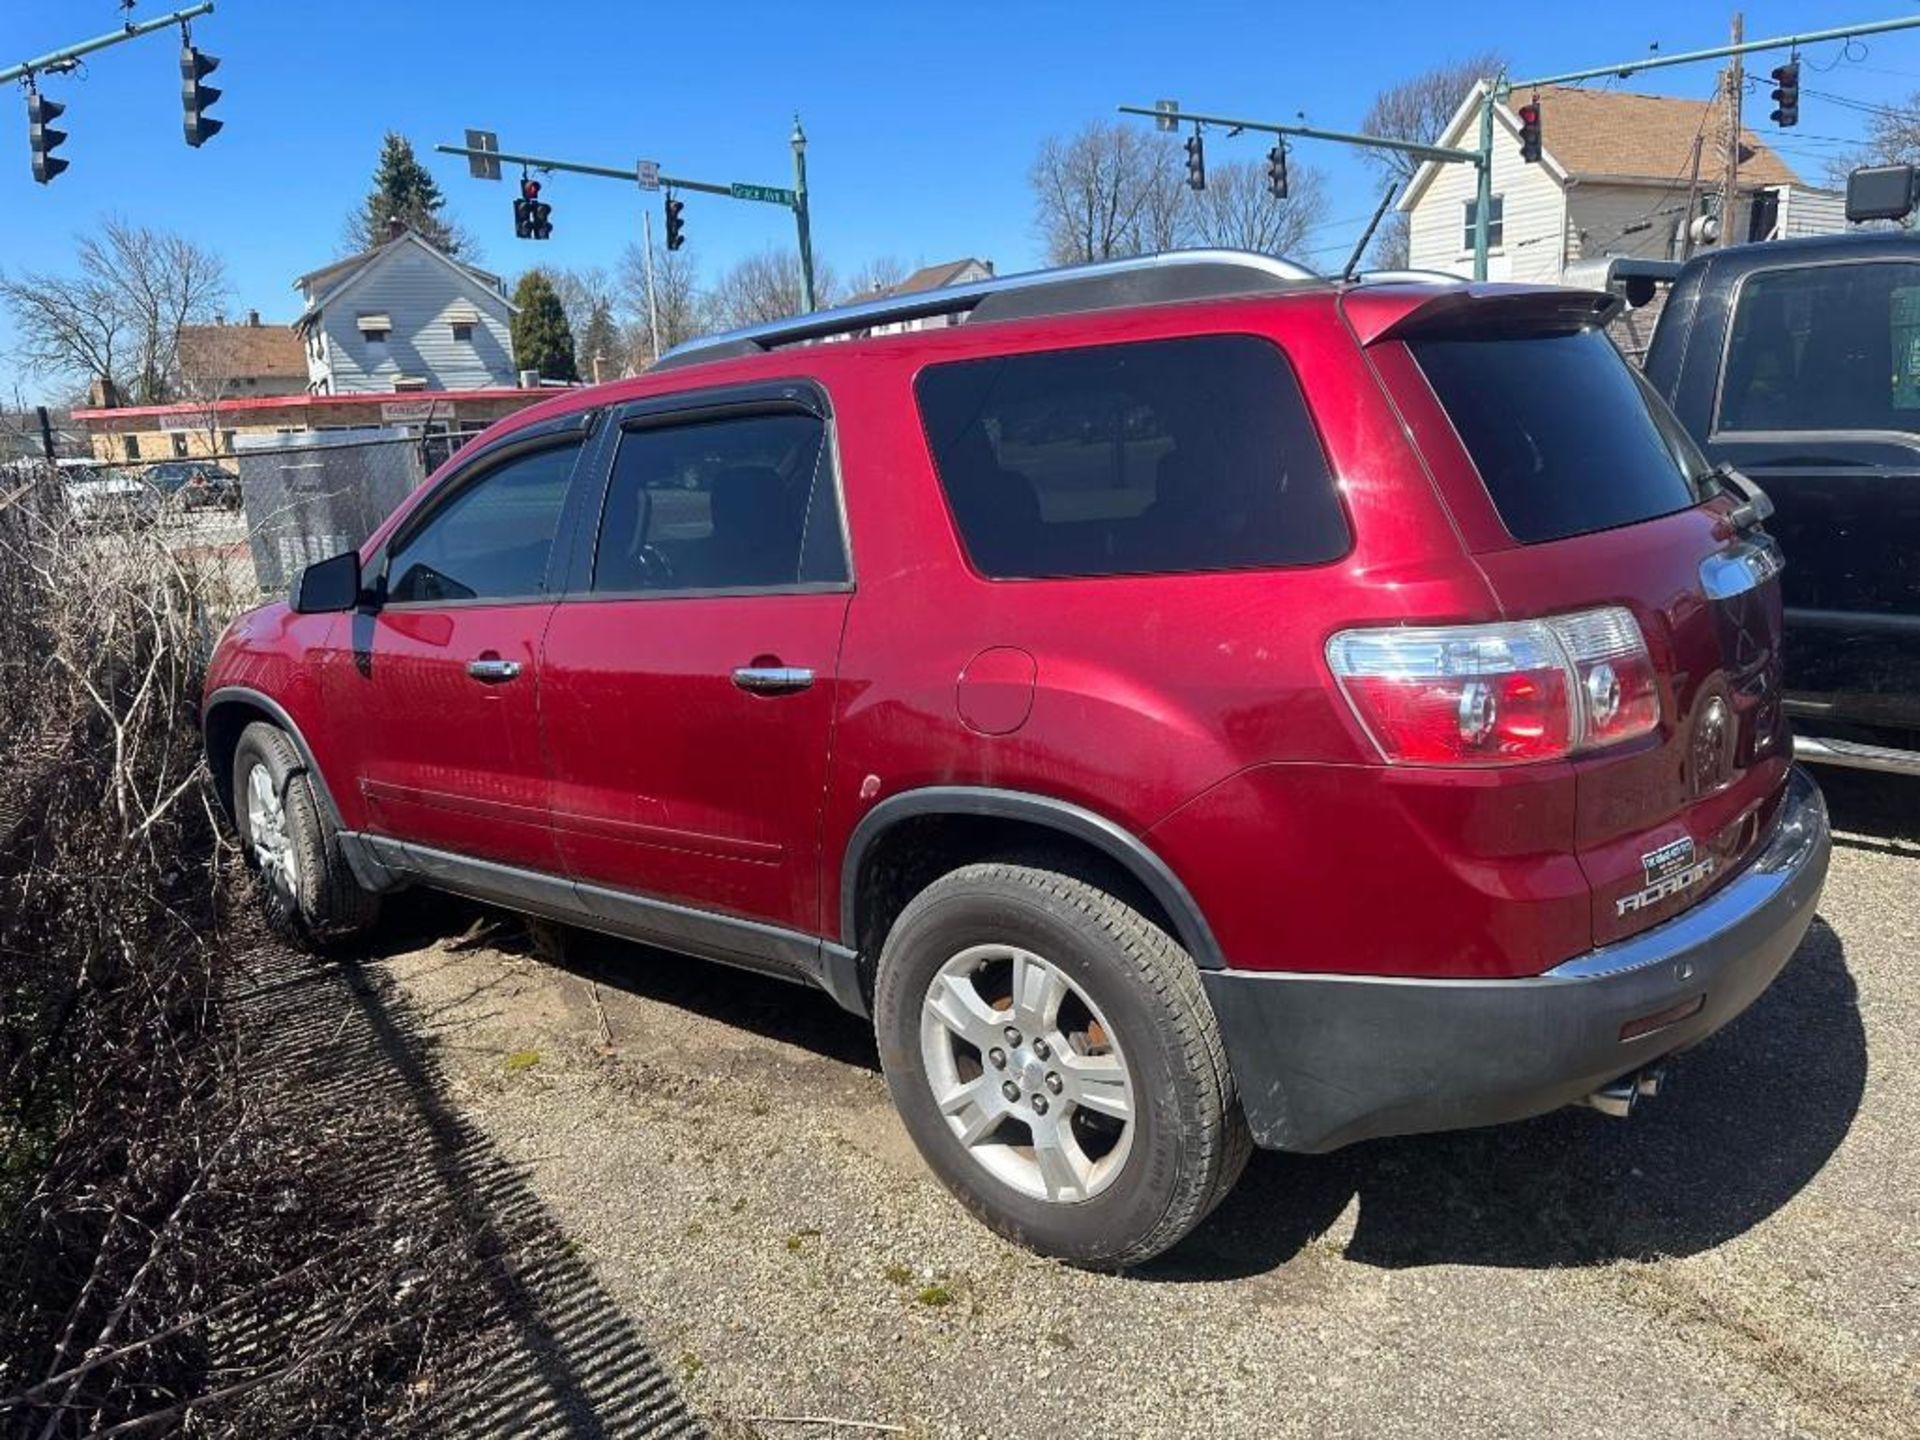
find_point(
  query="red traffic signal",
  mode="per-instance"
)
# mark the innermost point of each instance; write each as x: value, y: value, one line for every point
x: 1530, y: 132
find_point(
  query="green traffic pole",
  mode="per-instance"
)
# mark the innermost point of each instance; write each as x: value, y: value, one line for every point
x: 1483, y: 205
x: 800, y: 219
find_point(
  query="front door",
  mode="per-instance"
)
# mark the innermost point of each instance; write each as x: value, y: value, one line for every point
x: 688, y: 694
x: 1820, y: 404
x: 438, y: 686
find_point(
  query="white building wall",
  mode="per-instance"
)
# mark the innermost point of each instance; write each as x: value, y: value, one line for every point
x: 1635, y: 220
x: 1535, y: 214
x: 1806, y: 211
x: 419, y: 295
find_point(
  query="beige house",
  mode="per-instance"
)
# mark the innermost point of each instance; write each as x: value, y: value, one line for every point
x: 221, y: 360
x: 1613, y: 179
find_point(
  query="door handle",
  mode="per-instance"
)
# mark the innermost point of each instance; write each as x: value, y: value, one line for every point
x: 493, y: 671
x: 772, y: 679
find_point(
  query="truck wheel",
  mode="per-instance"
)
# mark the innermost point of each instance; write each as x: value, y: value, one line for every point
x: 1054, y: 1057
x: 309, y: 892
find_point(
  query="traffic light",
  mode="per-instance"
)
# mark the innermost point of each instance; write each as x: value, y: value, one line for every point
x: 195, y: 66
x: 1786, y: 94
x: 676, y: 227
x: 1277, y: 171
x: 41, y: 113
x: 530, y: 213
x: 1196, y: 161
x: 1530, y: 132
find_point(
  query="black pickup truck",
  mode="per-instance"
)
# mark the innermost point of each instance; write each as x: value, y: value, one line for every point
x: 1797, y: 363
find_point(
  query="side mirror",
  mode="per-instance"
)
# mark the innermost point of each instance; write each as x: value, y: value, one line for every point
x: 328, y: 586
x: 1882, y: 192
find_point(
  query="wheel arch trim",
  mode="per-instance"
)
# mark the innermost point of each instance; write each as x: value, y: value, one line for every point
x: 1077, y: 822
x: 247, y: 696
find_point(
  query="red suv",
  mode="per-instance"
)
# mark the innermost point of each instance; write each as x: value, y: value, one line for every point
x: 1190, y: 703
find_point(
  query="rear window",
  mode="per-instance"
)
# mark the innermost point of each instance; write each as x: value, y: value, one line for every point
x: 1160, y: 456
x: 1566, y: 437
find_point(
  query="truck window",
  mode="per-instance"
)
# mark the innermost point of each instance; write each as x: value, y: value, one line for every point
x: 1825, y: 347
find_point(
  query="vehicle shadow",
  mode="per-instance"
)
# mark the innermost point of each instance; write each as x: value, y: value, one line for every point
x: 1747, y: 1120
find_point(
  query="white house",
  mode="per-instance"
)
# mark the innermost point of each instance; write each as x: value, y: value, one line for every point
x: 1613, y: 179
x: 927, y: 277
x: 404, y: 317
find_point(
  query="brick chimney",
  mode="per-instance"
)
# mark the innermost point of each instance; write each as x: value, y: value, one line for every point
x: 102, y: 394
x: 396, y: 227
x: 253, y: 319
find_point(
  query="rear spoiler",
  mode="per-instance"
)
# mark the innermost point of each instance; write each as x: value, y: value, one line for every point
x: 1397, y: 312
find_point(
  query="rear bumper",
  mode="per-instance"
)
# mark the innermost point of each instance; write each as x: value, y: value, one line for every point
x: 1322, y: 1061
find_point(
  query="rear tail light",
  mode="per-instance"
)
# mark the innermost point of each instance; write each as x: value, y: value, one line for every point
x: 1501, y: 694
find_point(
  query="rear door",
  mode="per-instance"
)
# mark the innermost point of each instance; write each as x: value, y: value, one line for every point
x: 1819, y: 401
x: 1576, y: 488
x: 688, y: 681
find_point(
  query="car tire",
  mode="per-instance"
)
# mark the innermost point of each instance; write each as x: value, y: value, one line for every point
x: 1130, y: 1032
x: 307, y: 889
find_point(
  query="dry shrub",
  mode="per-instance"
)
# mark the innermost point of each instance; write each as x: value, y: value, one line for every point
x: 182, y: 1247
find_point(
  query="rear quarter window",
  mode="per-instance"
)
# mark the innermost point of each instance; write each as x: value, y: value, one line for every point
x: 1566, y: 437
x: 1155, y: 457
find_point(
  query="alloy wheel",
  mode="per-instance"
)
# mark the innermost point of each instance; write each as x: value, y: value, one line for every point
x: 1027, y: 1073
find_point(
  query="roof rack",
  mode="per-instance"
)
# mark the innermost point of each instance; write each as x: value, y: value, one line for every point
x: 1103, y: 285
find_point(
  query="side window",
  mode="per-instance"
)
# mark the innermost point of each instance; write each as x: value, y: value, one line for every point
x: 740, y: 503
x: 1827, y: 347
x: 1161, y: 456
x: 492, y: 539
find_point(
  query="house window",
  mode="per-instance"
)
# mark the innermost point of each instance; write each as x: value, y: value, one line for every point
x: 131, y: 445
x: 373, y: 328
x: 463, y: 330
x: 179, y: 439
x: 409, y: 382
x: 1496, y: 223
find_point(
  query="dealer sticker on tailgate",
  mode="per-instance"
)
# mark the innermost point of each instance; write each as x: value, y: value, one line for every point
x: 1668, y: 870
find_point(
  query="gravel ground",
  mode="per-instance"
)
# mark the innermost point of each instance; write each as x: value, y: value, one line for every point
x: 1741, y: 1258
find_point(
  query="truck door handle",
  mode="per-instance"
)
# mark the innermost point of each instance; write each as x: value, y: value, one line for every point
x: 772, y: 679
x: 491, y: 670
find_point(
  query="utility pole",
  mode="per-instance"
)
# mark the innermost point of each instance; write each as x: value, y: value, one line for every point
x: 653, y: 303
x: 1693, y: 199
x: 1736, y: 88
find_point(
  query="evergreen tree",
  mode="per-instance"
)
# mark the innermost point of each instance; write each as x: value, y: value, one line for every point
x: 600, y: 336
x: 542, y: 338
x: 402, y: 190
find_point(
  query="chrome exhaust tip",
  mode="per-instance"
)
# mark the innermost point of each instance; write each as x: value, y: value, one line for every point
x: 1617, y: 1097
x: 1651, y: 1081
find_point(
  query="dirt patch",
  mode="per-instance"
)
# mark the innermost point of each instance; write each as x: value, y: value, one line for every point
x: 1738, y: 1260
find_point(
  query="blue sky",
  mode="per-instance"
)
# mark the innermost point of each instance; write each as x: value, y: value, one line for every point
x: 923, y: 120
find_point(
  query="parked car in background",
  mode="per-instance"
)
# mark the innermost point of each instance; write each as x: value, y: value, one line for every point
x: 1190, y: 704
x: 102, y: 495
x: 195, y: 484
x: 1797, y: 363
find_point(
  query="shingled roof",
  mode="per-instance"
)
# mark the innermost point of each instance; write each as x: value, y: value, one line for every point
x: 235, y: 351
x: 1617, y: 135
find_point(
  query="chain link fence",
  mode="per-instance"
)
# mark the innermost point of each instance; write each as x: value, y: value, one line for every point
x: 281, y: 501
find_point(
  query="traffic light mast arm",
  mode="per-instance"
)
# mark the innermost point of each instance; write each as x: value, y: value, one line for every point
x: 57, y: 59
x: 572, y: 167
x: 1718, y: 52
x: 1342, y: 137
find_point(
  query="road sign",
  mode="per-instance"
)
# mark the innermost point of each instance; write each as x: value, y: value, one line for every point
x: 648, y: 172
x: 1166, y: 115
x: 771, y: 194
x: 483, y: 167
